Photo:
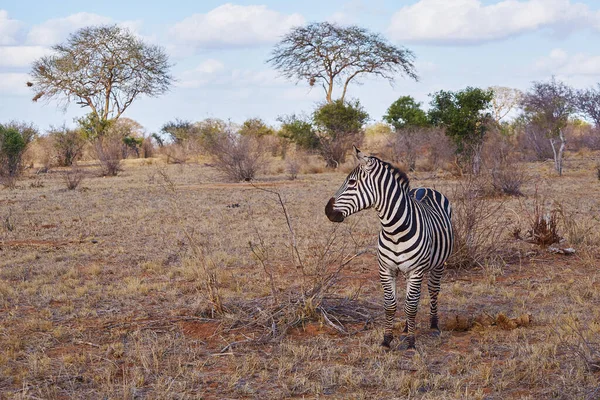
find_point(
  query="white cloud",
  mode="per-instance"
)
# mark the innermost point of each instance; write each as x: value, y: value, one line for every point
x: 14, y: 83
x: 471, y: 22
x: 209, y: 71
x: 213, y: 72
x: 54, y: 31
x: 231, y: 25
x: 563, y: 64
x: 21, y: 56
x: 8, y: 29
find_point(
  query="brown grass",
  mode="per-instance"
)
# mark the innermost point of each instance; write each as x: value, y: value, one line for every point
x: 103, y: 295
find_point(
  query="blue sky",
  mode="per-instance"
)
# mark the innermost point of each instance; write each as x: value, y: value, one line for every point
x: 219, y: 50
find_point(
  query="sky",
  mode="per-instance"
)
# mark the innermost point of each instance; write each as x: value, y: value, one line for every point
x: 219, y: 51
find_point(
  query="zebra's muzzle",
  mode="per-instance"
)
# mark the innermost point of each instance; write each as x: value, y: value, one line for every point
x: 333, y: 215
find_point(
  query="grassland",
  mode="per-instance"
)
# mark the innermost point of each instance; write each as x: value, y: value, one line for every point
x: 162, y: 283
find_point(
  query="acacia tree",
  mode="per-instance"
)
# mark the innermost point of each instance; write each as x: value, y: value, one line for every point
x: 104, y: 68
x: 328, y: 54
x: 549, y: 105
x: 465, y: 116
x: 588, y: 103
x: 408, y: 120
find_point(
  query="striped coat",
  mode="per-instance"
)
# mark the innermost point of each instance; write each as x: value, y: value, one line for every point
x: 415, y: 238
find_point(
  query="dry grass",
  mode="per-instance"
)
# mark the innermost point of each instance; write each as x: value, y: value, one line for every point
x: 105, y: 292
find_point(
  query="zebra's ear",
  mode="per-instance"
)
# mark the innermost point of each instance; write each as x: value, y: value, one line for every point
x: 360, y: 155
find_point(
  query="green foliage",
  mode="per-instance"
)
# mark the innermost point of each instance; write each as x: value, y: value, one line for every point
x: 92, y: 127
x: 255, y: 127
x: 340, y: 118
x: 299, y: 131
x: 68, y: 144
x: 406, y: 112
x: 464, y: 114
x: 204, y: 132
x: 339, y: 126
x: 133, y: 143
x: 12, y: 147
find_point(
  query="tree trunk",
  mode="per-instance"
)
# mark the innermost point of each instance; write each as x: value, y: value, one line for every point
x: 476, y: 161
x: 558, y: 153
x: 561, y: 151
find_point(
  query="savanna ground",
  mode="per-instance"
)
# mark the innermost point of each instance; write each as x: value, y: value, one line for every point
x: 165, y: 282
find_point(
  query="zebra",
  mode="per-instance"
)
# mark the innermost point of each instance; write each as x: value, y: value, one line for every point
x: 415, y: 238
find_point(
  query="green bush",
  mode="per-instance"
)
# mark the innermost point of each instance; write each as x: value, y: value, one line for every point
x: 14, y: 139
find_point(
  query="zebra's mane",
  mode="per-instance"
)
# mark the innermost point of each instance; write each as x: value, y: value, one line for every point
x: 399, y: 174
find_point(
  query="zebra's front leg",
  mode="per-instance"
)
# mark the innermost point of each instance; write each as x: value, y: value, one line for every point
x: 413, y: 294
x: 388, y: 282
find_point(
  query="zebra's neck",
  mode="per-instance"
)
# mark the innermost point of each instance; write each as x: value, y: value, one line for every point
x: 392, y: 201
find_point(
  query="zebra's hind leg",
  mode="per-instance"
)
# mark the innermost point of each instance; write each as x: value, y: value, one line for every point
x: 413, y: 294
x: 433, y: 286
x: 388, y: 282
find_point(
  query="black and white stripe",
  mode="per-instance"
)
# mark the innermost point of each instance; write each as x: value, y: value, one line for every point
x: 416, y: 234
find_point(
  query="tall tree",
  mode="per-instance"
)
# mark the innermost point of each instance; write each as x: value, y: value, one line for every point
x: 104, y: 68
x: 549, y: 106
x: 329, y: 54
x: 588, y: 103
x: 465, y: 116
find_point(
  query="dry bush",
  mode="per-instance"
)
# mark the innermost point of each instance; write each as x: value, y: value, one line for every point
x: 543, y: 224
x: 478, y: 225
x: 240, y: 158
x: 292, y: 167
x: 68, y: 145
x: 148, y: 149
x: 109, y: 151
x: 506, y: 172
x: 73, y: 178
x: 441, y: 150
x: 533, y: 143
x: 405, y: 145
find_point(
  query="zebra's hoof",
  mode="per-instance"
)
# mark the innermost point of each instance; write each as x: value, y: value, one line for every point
x: 386, y: 341
x: 411, y: 343
x: 436, y: 332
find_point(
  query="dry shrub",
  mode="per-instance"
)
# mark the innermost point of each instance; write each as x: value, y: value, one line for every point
x: 292, y: 167
x: 315, y: 297
x: 239, y: 157
x: 441, y: 150
x: 582, y: 342
x: 533, y: 142
x: 73, y: 177
x: 543, y: 224
x: 506, y: 172
x: 479, y: 225
x: 148, y: 149
x: 109, y: 151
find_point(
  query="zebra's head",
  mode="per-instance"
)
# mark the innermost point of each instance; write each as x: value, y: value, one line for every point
x: 356, y: 193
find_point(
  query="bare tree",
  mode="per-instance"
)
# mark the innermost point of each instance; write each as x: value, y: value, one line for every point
x: 549, y: 106
x: 104, y: 68
x: 330, y: 54
x: 588, y: 103
x: 505, y: 100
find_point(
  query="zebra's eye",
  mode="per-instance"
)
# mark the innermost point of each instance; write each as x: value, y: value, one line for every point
x: 352, y: 182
